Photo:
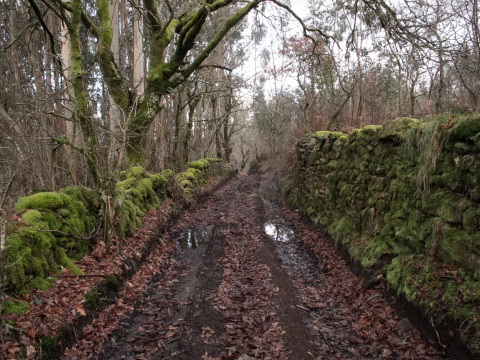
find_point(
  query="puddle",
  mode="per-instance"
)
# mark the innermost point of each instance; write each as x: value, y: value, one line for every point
x: 268, y: 194
x: 193, y: 239
x: 288, y: 251
x: 279, y: 232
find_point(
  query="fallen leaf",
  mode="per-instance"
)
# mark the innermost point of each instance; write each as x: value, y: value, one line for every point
x: 80, y: 309
x: 31, y: 351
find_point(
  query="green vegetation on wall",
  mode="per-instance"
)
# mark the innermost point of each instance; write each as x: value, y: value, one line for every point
x: 56, y: 227
x: 410, y: 190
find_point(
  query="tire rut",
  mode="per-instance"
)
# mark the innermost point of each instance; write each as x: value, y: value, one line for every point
x: 247, y: 293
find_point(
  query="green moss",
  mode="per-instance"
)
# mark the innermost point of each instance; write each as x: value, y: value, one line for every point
x: 335, y: 135
x: 49, y: 345
x: 464, y: 129
x: 187, y: 184
x: 127, y: 183
x: 187, y: 192
x: 39, y: 283
x: 15, y: 307
x: 112, y: 281
x: 449, y: 206
x: 353, y: 135
x: 197, y: 165
x: 377, y: 247
x: 471, y: 220
x: 64, y: 213
x: 136, y: 172
x: 63, y: 260
x: 342, y: 227
x: 91, y: 300
x: 31, y: 217
x: 462, y: 148
x: 332, y: 165
x: 322, y: 134
x: 394, y: 127
x: 370, y: 130
x: 167, y: 173
x: 191, y: 178
x: 45, y: 200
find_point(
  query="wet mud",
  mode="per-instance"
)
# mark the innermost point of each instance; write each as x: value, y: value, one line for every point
x: 249, y: 277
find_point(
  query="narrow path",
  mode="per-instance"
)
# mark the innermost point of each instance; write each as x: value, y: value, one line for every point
x: 251, y: 278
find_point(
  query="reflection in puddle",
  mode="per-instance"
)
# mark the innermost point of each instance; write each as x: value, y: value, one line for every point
x: 268, y: 194
x: 279, y: 232
x: 195, y: 238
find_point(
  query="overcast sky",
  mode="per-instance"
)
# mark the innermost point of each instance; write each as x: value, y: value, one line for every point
x: 271, y: 43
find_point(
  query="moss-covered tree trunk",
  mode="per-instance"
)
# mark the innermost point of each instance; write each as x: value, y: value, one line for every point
x: 162, y: 77
x: 81, y: 111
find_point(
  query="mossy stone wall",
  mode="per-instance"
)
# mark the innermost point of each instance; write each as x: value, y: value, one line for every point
x: 403, y: 197
x: 54, y: 226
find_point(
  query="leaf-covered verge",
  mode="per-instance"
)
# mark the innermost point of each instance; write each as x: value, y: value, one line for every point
x: 404, y: 198
x: 48, y: 303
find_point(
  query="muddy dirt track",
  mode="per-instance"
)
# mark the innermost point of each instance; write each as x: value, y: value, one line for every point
x: 242, y: 274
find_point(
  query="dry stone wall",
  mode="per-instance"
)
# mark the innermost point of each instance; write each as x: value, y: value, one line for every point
x: 52, y: 228
x: 404, y: 198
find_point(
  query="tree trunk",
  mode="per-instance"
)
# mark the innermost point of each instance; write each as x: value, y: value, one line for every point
x: 178, y: 116
x: 399, y: 87
x: 115, y: 115
x: 160, y: 138
x: 337, y: 113
x: 138, y: 59
x: 227, y: 132
x: 188, y: 134
x: 441, y: 65
x: 81, y: 104
x: 216, y: 115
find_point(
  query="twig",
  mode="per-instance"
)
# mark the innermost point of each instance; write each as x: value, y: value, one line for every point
x: 67, y: 234
x: 87, y: 275
x: 436, y: 332
x: 173, y: 340
x: 325, y: 339
x: 105, y: 299
x: 74, y: 333
x: 304, y: 308
x: 383, y: 192
x: 91, y: 236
